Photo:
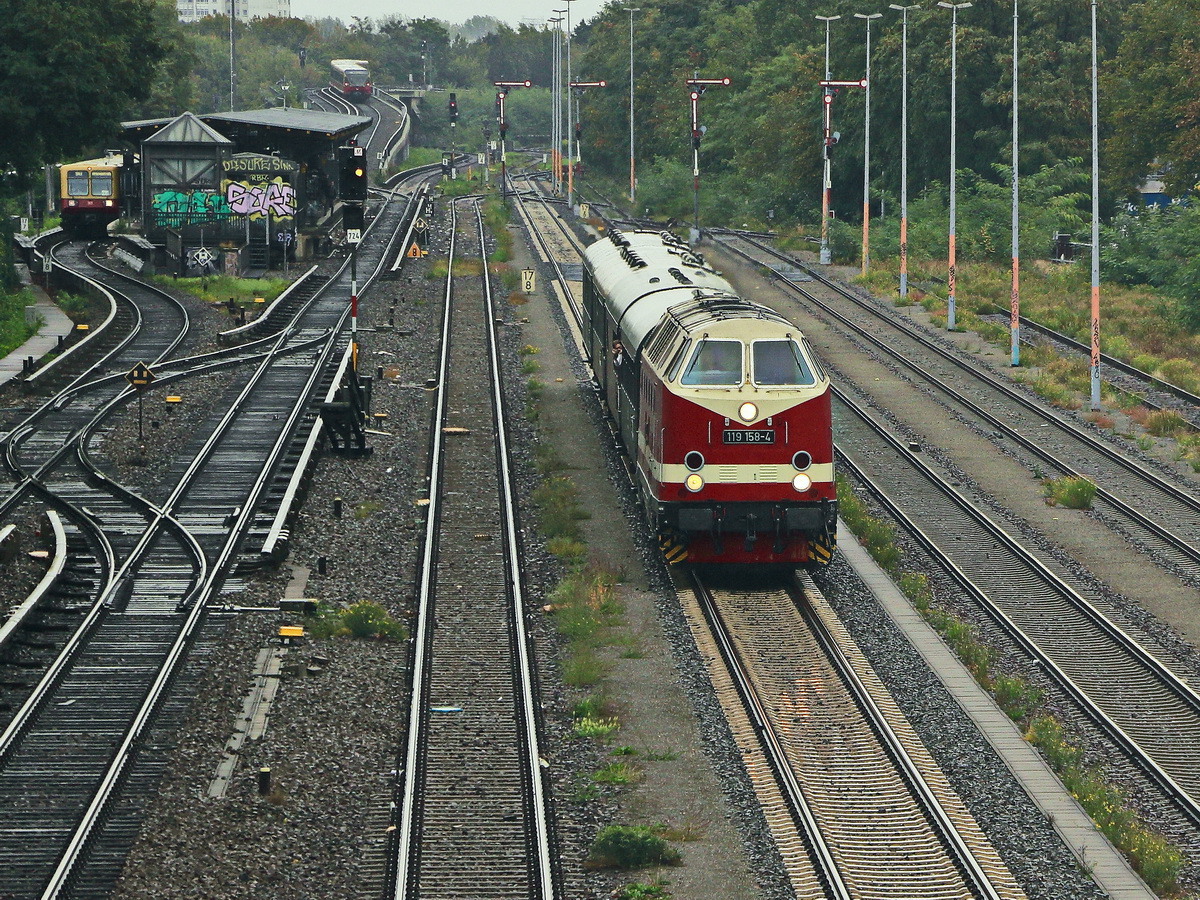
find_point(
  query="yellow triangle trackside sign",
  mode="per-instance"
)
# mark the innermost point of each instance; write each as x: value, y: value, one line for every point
x: 414, y: 252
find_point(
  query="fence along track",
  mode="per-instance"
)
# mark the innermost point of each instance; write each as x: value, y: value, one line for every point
x: 473, y: 819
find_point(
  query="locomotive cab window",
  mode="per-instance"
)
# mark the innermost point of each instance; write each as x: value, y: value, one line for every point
x: 715, y: 363
x: 77, y: 183
x: 102, y: 184
x: 777, y: 363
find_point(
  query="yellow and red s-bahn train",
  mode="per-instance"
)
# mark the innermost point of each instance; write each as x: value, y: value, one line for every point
x: 90, y: 195
x: 720, y: 404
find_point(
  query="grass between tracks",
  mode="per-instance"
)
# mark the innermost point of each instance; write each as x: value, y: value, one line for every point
x: 234, y: 293
x: 1155, y: 858
x: 589, y: 615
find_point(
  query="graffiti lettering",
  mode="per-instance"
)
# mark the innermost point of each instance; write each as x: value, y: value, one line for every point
x: 259, y: 164
x: 275, y: 198
x: 189, y: 207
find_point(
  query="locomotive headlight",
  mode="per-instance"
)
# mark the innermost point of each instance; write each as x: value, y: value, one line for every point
x: 694, y: 460
x: 693, y: 482
x: 748, y: 412
x: 801, y: 482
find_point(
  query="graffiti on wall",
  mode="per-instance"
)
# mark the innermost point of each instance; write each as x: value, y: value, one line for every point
x: 275, y: 198
x: 177, y: 208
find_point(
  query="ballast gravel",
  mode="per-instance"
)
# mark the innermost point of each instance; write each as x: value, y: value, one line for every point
x: 319, y: 829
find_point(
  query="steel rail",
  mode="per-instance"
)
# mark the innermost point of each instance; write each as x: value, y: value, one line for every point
x: 1178, y: 543
x: 806, y: 820
x: 1176, y: 686
x: 419, y: 696
x: 922, y: 791
x: 529, y: 705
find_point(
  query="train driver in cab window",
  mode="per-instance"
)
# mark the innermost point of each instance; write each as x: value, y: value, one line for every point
x: 780, y: 363
x: 715, y: 363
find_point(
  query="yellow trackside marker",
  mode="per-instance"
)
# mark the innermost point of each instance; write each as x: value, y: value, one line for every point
x: 291, y: 631
x: 81, y: 327
x: 174, y: 399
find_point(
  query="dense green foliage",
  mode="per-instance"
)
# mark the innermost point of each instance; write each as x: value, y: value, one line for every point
x: 70, y: 70
x: 1160, y: 248
x: 761, y: 152
x: 631, y: 847
x: 14, y: 330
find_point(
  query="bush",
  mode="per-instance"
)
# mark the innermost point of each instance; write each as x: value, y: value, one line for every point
x: 590, y: 727
x: 363, y: 619
x: 1072, y: 492
x: 13, y: 329
x: 631, y: 847
x: 616, y: 773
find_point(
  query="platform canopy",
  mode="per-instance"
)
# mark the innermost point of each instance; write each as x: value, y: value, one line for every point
x: 294, y: 133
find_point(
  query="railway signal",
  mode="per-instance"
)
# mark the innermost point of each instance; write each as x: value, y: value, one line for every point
x: 140, y: 377
x: 502, y: 89
x: 578, y: 86
x: 698, y: 87
x: 352, y: 168
x: 830, y: 89
x: 452, y: 107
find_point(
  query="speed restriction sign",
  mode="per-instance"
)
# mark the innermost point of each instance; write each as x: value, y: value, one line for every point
x: 528, y: 280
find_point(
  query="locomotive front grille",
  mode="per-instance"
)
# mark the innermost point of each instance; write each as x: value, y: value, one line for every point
x: 727, y: 474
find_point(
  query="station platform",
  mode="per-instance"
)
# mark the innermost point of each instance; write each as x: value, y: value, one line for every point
x: 56, y: 325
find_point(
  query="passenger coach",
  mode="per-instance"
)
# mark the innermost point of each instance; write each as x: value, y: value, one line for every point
x: 719, y: 402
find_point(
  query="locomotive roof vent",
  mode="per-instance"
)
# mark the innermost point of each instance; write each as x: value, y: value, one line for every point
x: 687, y: 256
x: 618, y: 238
x: 679, y: 276
x: 632, y: 259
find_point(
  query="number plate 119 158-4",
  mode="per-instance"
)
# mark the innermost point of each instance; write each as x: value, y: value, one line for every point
x: 749, y: 436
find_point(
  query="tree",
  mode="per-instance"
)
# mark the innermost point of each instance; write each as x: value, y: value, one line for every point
x: 1152, y: 89
x: 69, y: 72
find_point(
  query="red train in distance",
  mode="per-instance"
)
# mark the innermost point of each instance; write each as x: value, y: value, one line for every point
x: 351, y: 78
x: 720, y: 404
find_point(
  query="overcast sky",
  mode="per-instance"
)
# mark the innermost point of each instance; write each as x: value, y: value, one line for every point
x: 514, y: 12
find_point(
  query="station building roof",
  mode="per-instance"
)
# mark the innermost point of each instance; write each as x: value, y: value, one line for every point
x: 294, y: 132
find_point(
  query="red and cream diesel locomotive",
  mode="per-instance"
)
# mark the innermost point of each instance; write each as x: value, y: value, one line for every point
x: 720, y: 404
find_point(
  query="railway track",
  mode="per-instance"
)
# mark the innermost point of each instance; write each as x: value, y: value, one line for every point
x: 69, y: 808
x: 1158, y: 512
x: 855, y: 809
x: 1152, y: 392
x: 857, y: 806
x: 1149, y: 712
x: 473, y: 813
